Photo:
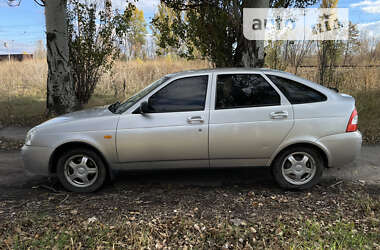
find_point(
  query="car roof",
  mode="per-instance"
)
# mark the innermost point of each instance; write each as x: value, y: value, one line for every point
x: 224, y: 70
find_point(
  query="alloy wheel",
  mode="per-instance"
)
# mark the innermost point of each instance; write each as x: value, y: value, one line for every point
x: 81, y: 170
x: 298, y: 168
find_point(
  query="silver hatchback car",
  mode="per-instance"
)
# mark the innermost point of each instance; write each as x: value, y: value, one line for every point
x: 203, y: 119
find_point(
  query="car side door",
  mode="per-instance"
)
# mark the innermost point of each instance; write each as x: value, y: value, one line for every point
x: 249, y: 118
x: 174, y: 133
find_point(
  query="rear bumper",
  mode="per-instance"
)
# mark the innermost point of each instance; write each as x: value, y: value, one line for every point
x: 341, y: 149
x: 36, y: 159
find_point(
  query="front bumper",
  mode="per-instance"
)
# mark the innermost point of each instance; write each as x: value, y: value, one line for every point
x: 342, y: 148
x: 36, y: 159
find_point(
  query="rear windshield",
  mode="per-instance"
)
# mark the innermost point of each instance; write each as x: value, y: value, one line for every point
x: 296, y: 92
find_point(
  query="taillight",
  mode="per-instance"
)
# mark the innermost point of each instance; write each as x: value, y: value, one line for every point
x: 352, y: 125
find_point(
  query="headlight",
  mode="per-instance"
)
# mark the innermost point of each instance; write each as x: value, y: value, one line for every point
x: 29, y: 137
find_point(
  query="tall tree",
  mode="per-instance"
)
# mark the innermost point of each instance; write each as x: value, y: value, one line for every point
x: 352, y: 44
x: 215, y: 29
x: 60, y: 90
x: 168, y: 15
x: 135, y: 35
x: 276, y: 55
x: 328, y: 53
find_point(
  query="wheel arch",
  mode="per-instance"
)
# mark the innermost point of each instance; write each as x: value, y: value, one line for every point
x: 316, y: 147
x: 76, y: 144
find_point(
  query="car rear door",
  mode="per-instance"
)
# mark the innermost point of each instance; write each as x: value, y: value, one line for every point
x: 249, y: 118
x: 174, y: 133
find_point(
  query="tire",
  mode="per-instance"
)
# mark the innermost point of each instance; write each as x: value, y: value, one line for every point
x: 81, y: 170
x: 292, y: 170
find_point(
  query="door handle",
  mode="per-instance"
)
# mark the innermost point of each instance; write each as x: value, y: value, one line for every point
x: 194, y: 119
x: 279, y: 115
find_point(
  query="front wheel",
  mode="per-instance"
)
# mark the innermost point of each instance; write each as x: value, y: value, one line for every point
x: 81, y: 170
x: 298, y: 168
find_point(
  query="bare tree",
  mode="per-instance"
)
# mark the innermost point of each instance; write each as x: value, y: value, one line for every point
x: 368, y: 48
x: 296, y: 52
x: 352, y: 44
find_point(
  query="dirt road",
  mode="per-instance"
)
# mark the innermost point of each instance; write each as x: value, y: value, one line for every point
x: 366, y: 169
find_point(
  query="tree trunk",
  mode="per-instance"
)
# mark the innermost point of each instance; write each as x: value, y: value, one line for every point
x: 253, y: 51
x: 60, y: 92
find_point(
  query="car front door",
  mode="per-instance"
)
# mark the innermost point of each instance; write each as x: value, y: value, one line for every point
x: 249, y: 119
x: 174, y: 133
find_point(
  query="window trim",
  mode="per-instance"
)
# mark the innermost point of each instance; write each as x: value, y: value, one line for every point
x: 274, y: 87
x: 281, y: 76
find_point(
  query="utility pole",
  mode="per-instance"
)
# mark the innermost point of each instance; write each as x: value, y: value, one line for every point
x: 9, y: 52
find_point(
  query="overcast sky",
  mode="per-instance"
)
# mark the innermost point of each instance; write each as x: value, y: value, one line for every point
x: 21, y: 27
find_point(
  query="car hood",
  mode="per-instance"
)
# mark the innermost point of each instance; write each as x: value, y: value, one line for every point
x: 98, y: 113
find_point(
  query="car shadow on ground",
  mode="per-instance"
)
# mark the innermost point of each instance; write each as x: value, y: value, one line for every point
x: 197, y: 177
x: 148, y: 180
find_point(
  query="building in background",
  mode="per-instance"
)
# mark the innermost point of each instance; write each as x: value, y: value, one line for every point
x: 15, y: 57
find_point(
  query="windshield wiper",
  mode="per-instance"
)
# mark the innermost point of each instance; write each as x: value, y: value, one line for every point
x: 114, y: 106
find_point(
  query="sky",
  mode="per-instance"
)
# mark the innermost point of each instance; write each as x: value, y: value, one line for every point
x: 21, y: 27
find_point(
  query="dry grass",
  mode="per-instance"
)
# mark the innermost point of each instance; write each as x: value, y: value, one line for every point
x: 348, y: 80
x: 28, y: 78
x: 23, y: 85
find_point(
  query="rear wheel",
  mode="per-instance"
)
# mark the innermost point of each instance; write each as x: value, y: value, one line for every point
x: 81, y: 170
x: 298, y: 168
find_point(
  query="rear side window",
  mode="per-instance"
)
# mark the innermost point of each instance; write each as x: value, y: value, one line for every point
x: 296, y: 92
x: 185, y: 94
x: 244, y: 90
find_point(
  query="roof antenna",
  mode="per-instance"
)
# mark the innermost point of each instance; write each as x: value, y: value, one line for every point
x: 14, y: 3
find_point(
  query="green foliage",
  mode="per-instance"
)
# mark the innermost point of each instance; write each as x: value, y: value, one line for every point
x: 135, y: 36
x: 209, y: 29
x: 163, y: 20
x: 93, y: 43
x: 274, y: 56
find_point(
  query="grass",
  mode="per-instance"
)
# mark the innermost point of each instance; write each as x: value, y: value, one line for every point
x: 367, y: 104
x: 345, y: 219
x: 23, y: 90
x: 309, y: 235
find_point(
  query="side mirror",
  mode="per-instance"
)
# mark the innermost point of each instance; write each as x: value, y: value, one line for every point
x: 144, y: 107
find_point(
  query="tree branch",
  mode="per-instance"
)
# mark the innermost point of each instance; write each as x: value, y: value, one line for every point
x: 181, y: 5
x: 42, y: 4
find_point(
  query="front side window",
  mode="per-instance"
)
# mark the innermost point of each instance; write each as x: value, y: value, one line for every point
x: 295, y: 92
x: 244, y: 90
x: 185, y: 94
x: 138, y: 96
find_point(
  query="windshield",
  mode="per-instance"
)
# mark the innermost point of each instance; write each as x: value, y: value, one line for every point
x: 139, y: 95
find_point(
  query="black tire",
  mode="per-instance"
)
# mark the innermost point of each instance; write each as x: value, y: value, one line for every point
x: 94, y: 160
x: 285, y: 180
